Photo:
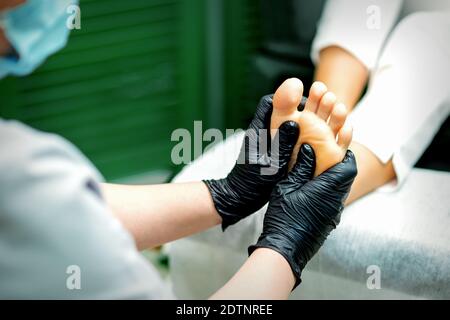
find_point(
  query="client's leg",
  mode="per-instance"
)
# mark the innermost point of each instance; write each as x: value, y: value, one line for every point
x: 410, y: 85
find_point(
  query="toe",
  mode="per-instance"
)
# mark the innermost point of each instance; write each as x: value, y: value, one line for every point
x: 288, y: 96
x: 338, y: 117
x: 345, y: 136
x: 326, y: 105
x: 318, y: 89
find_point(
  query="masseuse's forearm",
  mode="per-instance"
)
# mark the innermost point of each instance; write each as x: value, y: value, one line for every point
x: 266, y: 275
x: 157, y: 214
x: 342, y: 73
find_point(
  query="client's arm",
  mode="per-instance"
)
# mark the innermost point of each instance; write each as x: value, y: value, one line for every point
x: 342, y: 73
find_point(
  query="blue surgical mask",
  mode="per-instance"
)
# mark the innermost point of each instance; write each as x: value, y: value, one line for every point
x: 35, y: 30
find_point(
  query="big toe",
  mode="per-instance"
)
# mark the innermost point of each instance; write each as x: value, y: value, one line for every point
x: 288, y: 96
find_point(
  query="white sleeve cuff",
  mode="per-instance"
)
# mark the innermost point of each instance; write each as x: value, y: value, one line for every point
x: 360, y: 27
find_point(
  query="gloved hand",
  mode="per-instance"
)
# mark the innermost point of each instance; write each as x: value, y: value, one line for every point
x: 302, y: 212
x: 249, y: 184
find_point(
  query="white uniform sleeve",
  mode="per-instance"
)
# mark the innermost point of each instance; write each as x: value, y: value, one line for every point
x: 358, y: 26
x: 57, y: 238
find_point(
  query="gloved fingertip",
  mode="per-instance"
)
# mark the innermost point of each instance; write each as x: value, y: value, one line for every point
x: 267, y: 99
x: 263, y: 112
x: 349, y: 156
x: 350, y: 161
x: 346, y: 170
x: 302, y: 104
x: 290, y: 131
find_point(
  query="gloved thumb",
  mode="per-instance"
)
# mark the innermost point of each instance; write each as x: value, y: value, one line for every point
x: 283, y: 143
x: 261, y: 119
x: 340, y: 177
x: 303, y: 171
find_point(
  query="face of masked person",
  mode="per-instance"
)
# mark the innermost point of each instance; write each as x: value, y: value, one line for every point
x: 35, y: 30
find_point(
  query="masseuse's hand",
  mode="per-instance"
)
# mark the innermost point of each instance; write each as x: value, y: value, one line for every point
x: 302, y: 212
x: 248, y: 186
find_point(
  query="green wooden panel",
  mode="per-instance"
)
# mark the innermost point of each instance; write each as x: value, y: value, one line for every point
x: 134, y: 72
x: 117, y: 90
x: 242, y: 40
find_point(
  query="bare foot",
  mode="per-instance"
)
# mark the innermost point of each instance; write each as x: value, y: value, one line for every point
x: 322, y: 123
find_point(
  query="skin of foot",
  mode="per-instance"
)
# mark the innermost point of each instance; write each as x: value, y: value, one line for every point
x: 322, y: 122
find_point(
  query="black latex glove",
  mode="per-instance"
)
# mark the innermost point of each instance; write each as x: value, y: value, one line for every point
x: 302, y: 212
x: 249, y: 184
